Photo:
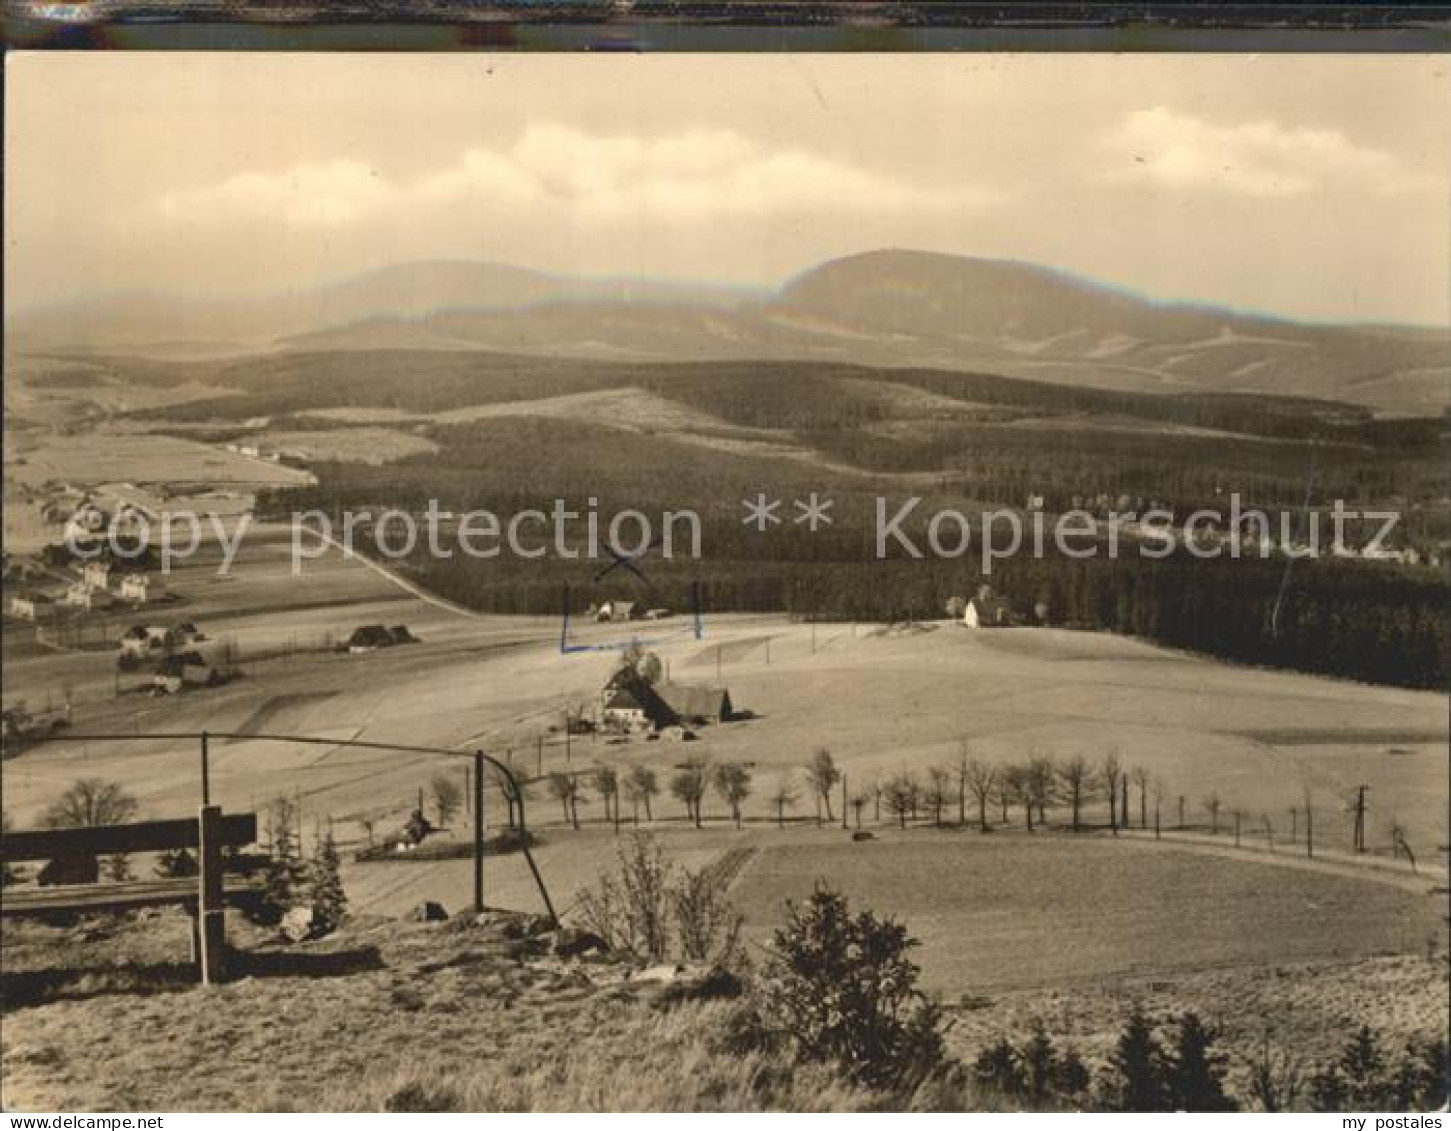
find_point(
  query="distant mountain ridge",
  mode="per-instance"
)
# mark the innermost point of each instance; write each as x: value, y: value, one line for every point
x: 883, y: 308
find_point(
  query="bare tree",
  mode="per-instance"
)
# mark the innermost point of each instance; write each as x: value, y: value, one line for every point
x: 688, y: 786
x: 938, y: 781
x: 1212, y: 805
x: 784, y: 797
x: 1004, y: 793
x: 1112, y: 772
x: 981, y: 779
x: 607, y: 785
x: 899, y: 794
x: 1041, y: 778
x: 1140, y: 777
x: 1078, y: 781
x: 1019, y: 781
x: 565, y: 789
x: 90, y: 802
x: 964, y: 756
x: 732, y: 782
x: 447, y: 797
x: 640, y: 786
x: 822, y: 776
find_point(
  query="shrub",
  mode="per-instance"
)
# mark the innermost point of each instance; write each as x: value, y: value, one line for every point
x: 707, y: 925
x: 630, y: 909
x: 843, y: 991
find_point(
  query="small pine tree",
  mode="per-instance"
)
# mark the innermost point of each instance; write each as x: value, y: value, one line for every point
x: 1040, y: 1062
x: 1363, y: 1067
x: 118, y: 868
x: 998, y: 1069
x: 1423, y: 1082
x: 1327, y: 1090
x: 1194, y: 1072
x: 326, y: 897
x: 285, y: 873
x: 1070, y: 1075
x: 178, y: 864
x: 1134, y: 1080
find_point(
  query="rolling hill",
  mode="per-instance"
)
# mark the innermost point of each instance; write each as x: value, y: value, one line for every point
x: 898, y: 309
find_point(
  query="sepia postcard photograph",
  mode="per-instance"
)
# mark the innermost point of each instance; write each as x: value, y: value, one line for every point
x: 725, y: 583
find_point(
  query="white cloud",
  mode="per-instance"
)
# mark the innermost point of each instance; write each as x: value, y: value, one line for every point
x: 691, y: 177
x: 1258, y: 159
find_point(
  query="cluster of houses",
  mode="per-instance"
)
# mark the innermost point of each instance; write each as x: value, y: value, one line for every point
x: 625, y: 611
x: 628, y: 702
x: 174, y: 649
x: 98, y: 586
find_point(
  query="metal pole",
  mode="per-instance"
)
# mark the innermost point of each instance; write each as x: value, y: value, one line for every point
x: 478, y: 830
x: 529, y: 858
x: 206, y: 772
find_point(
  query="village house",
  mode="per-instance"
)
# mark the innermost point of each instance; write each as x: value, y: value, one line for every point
x: 986, y: 610
x: 627, y: 709
x: 32, y: 606
x: 84, y: 596
x: 139, y: 588
x: 96, y: 574
x: 615, y: 611
x: 183, y: 670
x: 142, y: 640
x: 370, y: 637
x: 629, y: 702
x: 697, y: 705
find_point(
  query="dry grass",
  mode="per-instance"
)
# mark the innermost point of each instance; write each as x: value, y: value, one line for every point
x: 436, y: 1018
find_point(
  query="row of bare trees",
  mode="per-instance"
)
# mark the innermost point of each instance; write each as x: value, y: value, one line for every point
x: 968, y: 790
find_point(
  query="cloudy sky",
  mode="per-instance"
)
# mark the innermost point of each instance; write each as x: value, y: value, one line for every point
x: 1315, y: 186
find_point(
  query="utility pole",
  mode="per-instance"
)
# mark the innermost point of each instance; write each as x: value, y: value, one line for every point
x: 843, y: 801
x: 1294, y: 824
x: 1359, y: 832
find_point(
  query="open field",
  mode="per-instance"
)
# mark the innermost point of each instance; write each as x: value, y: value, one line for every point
x: 1010, y: 912
x: 124, y: 455
x: 882, y: 701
